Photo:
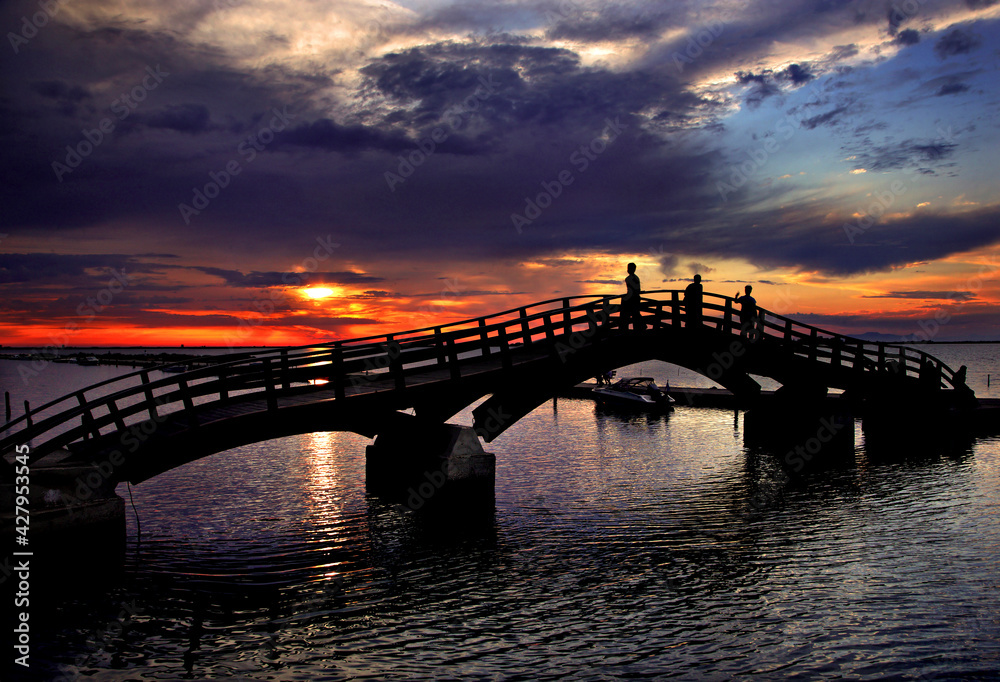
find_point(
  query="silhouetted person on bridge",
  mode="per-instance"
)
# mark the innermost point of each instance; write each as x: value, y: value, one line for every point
x: 692, y: 302
x: 630, y: 301
x: 748, y: 314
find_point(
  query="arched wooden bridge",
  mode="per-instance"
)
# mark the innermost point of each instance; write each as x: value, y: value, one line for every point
x: 143, y: 426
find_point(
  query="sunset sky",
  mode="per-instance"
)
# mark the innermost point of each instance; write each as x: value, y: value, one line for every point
x: 266, y: 172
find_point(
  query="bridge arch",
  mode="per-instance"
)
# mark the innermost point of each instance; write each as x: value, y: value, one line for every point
x: 520, y: 358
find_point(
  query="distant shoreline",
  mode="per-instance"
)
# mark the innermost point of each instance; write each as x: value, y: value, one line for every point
x: 238, y: 348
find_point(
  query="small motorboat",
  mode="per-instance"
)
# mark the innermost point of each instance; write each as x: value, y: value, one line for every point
x: 87, y: 360
x: 635, y: 392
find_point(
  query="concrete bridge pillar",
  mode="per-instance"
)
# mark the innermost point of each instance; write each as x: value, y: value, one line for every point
x: 423, y: 464
x: 803, y: 425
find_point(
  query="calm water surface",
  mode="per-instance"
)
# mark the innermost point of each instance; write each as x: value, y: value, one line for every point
x: 619, y: 546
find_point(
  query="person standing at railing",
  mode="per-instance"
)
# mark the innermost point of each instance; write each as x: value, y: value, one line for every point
x: 748, y: 314
x: 693, y: 302
x: 630, y: 301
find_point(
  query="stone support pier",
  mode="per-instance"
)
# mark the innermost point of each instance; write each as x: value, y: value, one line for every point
x: 428, y: 464
x: 803, y: 425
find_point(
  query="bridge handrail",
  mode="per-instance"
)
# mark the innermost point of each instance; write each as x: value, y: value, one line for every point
x: 252, y: 366
x: 314, y: 351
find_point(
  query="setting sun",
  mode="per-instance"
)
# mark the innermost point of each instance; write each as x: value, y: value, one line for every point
x: 319, y: 292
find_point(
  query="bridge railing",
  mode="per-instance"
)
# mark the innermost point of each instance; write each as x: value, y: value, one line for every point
x: 721, y: 314
x: 113, y: 405
x: 390, y: 362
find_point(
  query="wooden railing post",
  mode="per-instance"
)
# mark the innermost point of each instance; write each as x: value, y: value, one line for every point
x: 727, y: 316
x: 881, y: 355
x: 223, y: 385
x: 27, y: 413
x: 835, y: 359
x: 454, y: 369
x: 550, y: 333
x: 116, y: 415
x: 272, y: 400
x: 525, y: 329
x: 675, y: 309
x: 484, y: 337
x: 567, y: 317
x: 658, y: 320
x: 788, y: 330
x: 395, y: 357
x: 285, y: 383
x: 188, y: 402
x: 813, y: 345
x: 148, y: 393
x: 87, y: 418
x: 439, y: 344
x: 337, y: 370
x: 504, y: 347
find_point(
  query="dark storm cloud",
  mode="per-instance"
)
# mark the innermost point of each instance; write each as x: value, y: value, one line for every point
x: 50, y: 267
x: 184, y: 118
x: 965, y: 321
x: 932, y: 295
x: 952, y: 89
x: 66, y: 98
x: 465, y: 293
x: 955, y: 42
x: 329, y: 136
x: 826, y: 119
x: 797, y: 74
x: 235, y: 278
x: 763, y: 87
x: 908, y: 36
x: 503, y: 87
x: 611, y: 22
x: 908, y: 154
x: 540, y: 106
x: 822, y: 243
